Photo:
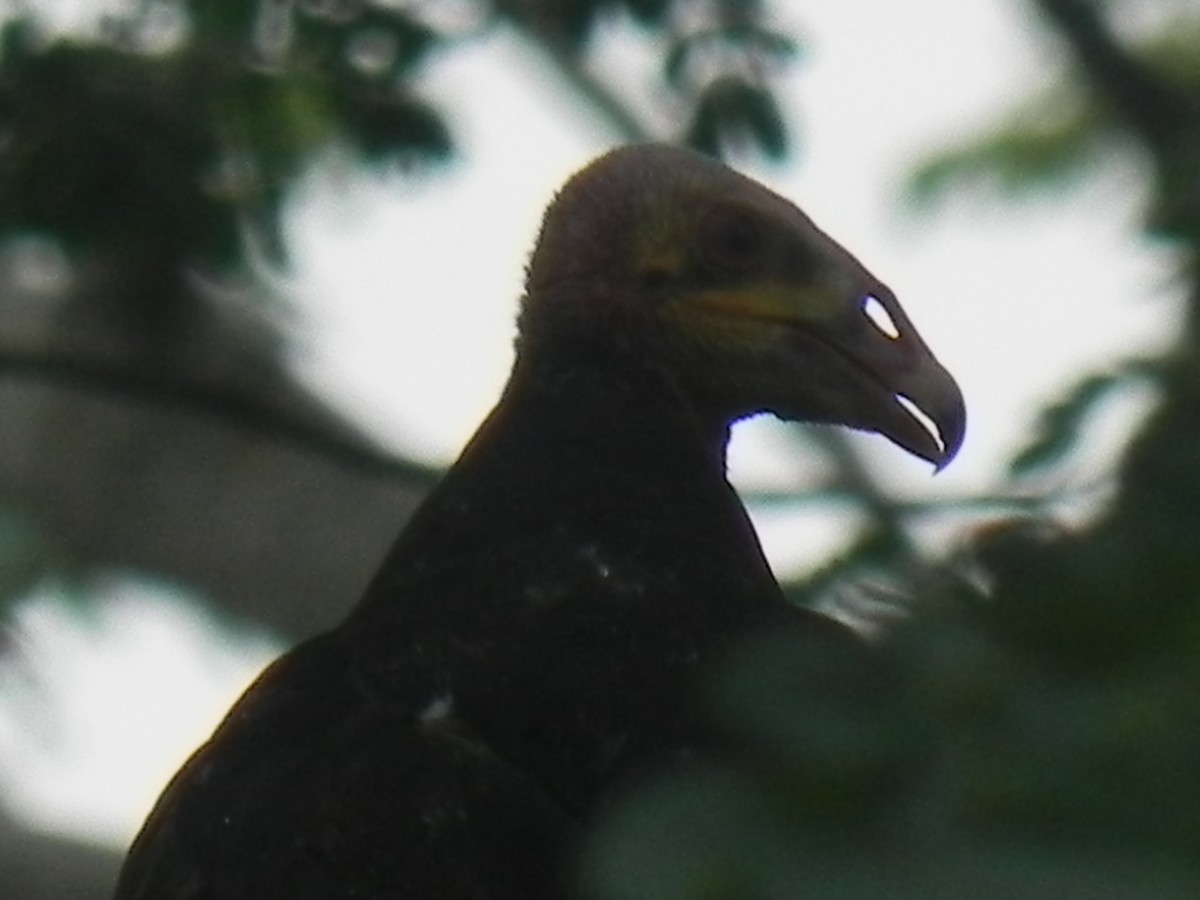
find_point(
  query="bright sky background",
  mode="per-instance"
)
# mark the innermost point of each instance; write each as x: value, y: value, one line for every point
x: 410, y: 286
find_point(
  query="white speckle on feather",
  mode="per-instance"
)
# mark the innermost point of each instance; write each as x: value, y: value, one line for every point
x: 438, y: 710
x: 591, y: 553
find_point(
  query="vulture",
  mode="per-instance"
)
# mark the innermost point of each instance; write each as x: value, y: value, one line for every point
x: 536, y: 638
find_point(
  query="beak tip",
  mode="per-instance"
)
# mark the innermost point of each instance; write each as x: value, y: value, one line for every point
x: 934, y: 420
x: 951, y: 429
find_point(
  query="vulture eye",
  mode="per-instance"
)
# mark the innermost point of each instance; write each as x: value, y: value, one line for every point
x: 734, y: 239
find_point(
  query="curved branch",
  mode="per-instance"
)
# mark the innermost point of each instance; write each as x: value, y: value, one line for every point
x: 238, y: 410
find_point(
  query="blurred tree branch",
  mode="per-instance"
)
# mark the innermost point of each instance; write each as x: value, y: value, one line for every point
x: 230, y: 407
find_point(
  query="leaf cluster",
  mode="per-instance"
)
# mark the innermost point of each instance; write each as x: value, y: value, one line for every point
x: 1062, y: 134
x: 179, y: 141
x: 719, y: 63
x: 1027, y: 728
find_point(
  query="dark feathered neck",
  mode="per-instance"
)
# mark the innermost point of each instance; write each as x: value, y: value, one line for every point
x: 575, y: 569
x: 617, y: 402
x: 578, y: 455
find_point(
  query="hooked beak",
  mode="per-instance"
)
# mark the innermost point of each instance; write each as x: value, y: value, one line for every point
x: 899, y: 388
x: 846, y: 358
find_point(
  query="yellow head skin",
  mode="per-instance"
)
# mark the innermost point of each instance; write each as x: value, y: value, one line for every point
x: 669, y: 256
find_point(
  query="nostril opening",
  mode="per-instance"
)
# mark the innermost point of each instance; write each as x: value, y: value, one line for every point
x: 874, y: 310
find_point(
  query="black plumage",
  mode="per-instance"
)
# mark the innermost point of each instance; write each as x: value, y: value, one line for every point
x: 535, y: 638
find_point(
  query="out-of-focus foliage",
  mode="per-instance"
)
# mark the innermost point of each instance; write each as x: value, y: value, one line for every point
x: 1046, y: 145
x: 730, y: 104
x: 1059, y: 428
x: 736, y: 104
x: 720, y: 64
x: 1053, y: 140
x: 184, y: 124
x: 960, y: 761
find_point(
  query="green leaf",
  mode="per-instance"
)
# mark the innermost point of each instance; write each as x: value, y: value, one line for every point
x: 733, y: 111
x: 1046, y: 144
x: 396, y: 129
x: 676, y: 62
x: 1059, y: 426
x: 649, y: 12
